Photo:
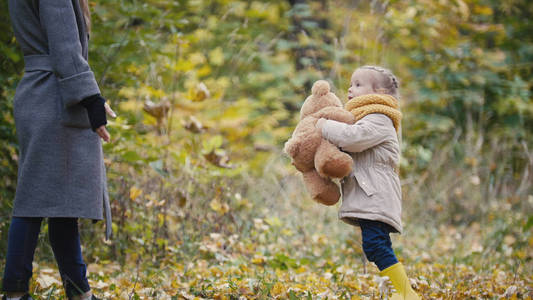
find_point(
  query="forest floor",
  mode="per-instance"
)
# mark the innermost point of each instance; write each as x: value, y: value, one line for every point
x: 318, y: 257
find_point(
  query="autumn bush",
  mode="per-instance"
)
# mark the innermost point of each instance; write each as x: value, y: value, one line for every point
x: 205, y: 203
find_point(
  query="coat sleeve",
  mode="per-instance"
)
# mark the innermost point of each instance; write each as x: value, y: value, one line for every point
x: 366, y: 133
x: 76, y: 80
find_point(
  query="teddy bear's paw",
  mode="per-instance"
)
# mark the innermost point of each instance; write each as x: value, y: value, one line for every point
x: 338, y: 166
x: 336, y: 113
x: 331, y: 162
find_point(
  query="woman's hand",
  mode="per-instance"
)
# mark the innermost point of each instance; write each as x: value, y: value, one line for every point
x: 102, y: 131
x: 109, y: 111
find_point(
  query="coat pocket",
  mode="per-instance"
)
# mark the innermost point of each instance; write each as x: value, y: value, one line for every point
x: 365, y: 180
x: 71, y: 116
x: 74, y: 116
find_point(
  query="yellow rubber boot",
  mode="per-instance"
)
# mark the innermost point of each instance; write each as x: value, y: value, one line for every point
x: 398, y: 277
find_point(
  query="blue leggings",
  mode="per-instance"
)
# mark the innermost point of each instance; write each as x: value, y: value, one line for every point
x: 377, y: 244
x: 65, y: 242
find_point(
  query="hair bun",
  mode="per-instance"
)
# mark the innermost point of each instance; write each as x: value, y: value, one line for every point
x: 320, y: 88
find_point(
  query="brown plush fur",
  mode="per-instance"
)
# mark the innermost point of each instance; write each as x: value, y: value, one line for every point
x: 321, y: 189
x: 315, y: 157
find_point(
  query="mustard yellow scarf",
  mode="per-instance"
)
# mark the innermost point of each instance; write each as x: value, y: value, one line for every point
x: 376, y: 103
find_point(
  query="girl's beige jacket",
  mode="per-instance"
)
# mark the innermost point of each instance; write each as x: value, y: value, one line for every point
x: 372, y: 191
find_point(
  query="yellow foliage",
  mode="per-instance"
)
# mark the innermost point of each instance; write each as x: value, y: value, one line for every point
x: 216, y: 56
x: 278, y: 289
x: 258, y: 259
x: 202, y: 34
x: 352, y: 284
x: 219, y: 207
x: 131, y: 105
x: 199, y: 92
x: 197, y: 58
x: 127, y: 92
x: 135, y: 193
x: 205, y: 70
x: 482, y: 10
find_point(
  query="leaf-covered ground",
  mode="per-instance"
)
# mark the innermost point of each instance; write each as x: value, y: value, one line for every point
x: 311, y: 255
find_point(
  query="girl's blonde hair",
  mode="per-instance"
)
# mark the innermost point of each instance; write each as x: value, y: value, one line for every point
x: 388, y: 83
x: 86, y: 14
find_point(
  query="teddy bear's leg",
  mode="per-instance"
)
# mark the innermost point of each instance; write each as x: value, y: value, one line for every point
x: 331, y: 162
x: 322, y: 190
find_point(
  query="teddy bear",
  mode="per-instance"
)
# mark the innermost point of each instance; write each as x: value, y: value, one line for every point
x: 317, y: 159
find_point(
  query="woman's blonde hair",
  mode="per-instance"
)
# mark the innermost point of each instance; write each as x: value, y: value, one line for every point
x: 388, y: 83
x: 86, y: 14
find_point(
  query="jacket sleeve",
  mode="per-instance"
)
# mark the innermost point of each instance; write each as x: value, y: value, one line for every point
x: 76, y: 80
x: 366, y: 133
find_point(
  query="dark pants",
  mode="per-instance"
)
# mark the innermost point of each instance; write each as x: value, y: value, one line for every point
x: 65, y: 242
x: 377, y: 244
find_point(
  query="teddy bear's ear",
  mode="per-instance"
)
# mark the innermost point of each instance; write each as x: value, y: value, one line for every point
x: 320, y: 88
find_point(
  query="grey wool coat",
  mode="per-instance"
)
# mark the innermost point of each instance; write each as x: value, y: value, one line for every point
x: 61, y: 170
x: 372, y: 191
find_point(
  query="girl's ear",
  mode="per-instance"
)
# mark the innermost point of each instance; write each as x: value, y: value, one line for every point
x: 376, y: 87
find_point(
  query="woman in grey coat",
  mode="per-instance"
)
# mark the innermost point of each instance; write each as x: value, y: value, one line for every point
x: 61, y: 173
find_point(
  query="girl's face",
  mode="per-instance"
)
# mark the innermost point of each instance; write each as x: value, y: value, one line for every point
x: 362, y: 83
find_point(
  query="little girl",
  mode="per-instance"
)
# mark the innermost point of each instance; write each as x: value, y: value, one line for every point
x: 372, y: 193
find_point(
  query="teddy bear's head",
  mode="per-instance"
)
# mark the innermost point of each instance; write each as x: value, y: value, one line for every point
x: 320, y: 97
